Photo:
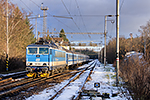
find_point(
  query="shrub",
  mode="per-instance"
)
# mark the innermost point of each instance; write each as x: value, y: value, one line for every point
x: 135, y: 72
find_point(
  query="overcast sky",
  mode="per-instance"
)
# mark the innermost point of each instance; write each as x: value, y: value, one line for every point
x: 88, y: 16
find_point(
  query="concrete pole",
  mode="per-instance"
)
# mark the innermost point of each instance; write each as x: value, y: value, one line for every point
x: 7, y: 54
x: 101, y: 55
x: 36, y: 28
x: 117, y: 42
x: 105, y: 31
x: 98, y: 55
x: 36, y: 34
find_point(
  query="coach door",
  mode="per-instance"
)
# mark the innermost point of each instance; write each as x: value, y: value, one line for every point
x: 51, y: 58
x: 67, y: 58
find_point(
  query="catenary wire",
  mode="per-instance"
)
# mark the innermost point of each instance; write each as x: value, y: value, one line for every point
x: 70, y: 15
x: 27, y: 6
x: 80, y: 14
x: 52, y: 16
x: 121, y: 5
x: 82, y: 17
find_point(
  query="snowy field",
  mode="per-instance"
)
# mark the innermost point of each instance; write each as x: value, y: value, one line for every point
x: 105, y: 76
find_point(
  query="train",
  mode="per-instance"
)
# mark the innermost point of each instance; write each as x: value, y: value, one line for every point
x: 45, y: 58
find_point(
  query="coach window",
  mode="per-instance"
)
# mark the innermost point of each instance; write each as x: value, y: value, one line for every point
x: 70, y: 56
x: 32, y: 50
x: 63, y: 54
x: 59, y: 54
x: 43, y: 50
x: 75, y: 57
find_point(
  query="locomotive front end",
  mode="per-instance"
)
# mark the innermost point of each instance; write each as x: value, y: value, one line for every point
x: 37, y: 61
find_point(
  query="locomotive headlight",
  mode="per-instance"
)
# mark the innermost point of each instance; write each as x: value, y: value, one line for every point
x: 28, y: 64
x: 44, y: 64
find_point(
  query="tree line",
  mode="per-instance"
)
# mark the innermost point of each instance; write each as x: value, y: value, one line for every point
x: 134, y: 70
x: 139, y: 43
x: 20, y: 34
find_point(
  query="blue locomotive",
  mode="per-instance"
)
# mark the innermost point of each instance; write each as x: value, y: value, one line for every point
x: 46, y: 58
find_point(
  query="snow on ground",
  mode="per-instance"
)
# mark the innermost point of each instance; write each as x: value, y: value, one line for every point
x: 107, y: 79
x: 105, y: 76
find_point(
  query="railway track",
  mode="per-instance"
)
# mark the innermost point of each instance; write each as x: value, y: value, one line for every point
x: 88, y: 70
x: 10, y: 88
x: 15, y: 87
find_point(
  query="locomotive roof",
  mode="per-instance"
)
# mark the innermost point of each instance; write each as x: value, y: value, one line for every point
x: 52, y: 45
x: 47, y: 44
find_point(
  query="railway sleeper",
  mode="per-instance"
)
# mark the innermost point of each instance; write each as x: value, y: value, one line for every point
x: 5, y: 80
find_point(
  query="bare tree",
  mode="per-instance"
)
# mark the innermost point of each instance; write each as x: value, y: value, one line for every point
x: 19, y: 34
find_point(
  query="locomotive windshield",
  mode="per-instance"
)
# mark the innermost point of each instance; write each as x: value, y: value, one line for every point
x: 32, y: 50
x: 43, y: 50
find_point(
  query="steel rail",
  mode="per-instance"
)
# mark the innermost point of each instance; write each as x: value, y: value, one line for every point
x: 27, y: 84
x: 11, y: 89
x: 78, y: 93
x: 5, y: 80
x: 70, y: 80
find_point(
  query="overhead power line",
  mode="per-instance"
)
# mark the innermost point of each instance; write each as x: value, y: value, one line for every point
x: 27, y: 6
x: 35, y: 3
x: 53, y: 16
x: 66, y: 7
x: 86, y: 41
x: 70, y: 16
x: 121, y: 5
x: 75, y: 15
x: 82, y: 17
x: 74, y: 33
x: 80, y: 14
x: 63, y: 17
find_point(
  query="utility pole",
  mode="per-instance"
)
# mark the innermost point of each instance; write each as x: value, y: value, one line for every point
x: 7, y: 53
x: 117, y: 42
x: 38, y: 16
x: 37, y: 33
x: 131, y: 41
x: 101, y: 55
x: 99, y: 50
x: 98, y: 55
x: 105, y: 31
x: 44, y: 19
x: 36, y: 29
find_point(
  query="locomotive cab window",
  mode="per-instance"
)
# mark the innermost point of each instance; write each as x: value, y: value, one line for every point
x: 43, y: 50
x: 32, y: 50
